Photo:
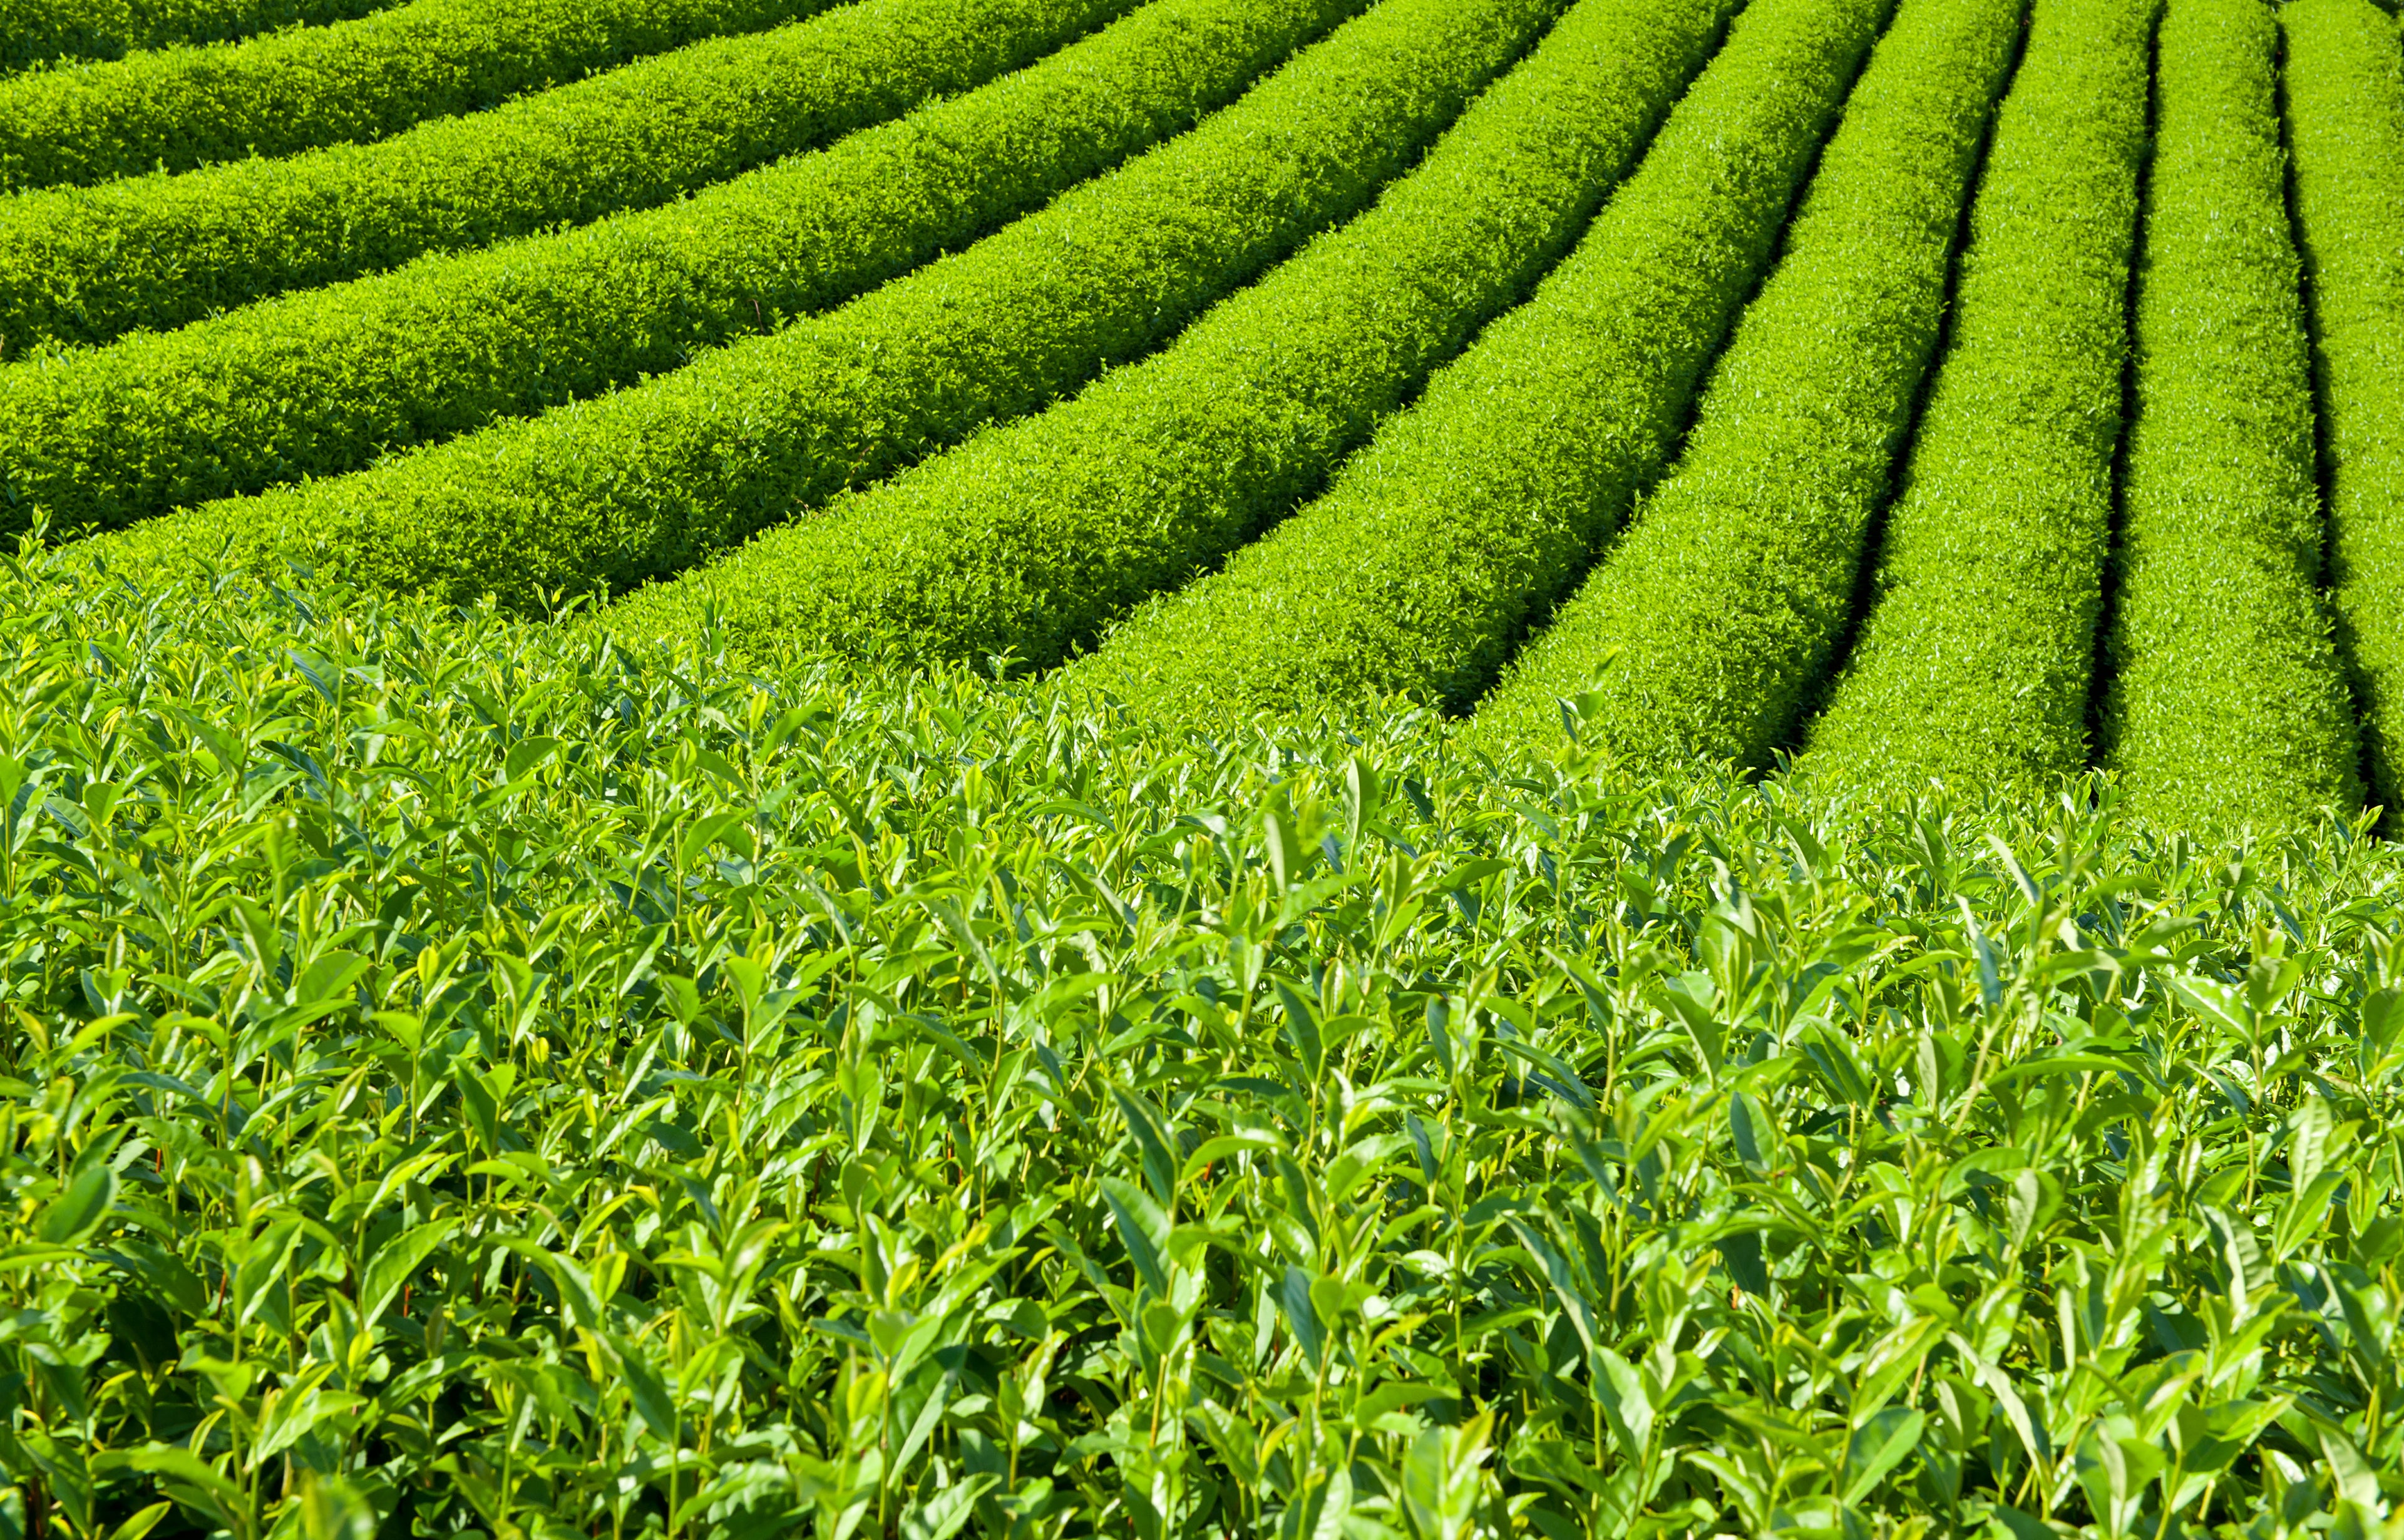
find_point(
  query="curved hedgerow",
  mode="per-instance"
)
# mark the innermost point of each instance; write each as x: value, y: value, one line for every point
x: 87, y: 264
x: 1703, y: 632
x: 1473, y: 509
x: 2226, y: 703
x: 320, y: 382
x: 181, y: 107
x: 638, y: 484
x: 40, y: 32
x: 2345, y: 121
x: 1029, y: 538
x: 1978, y: 656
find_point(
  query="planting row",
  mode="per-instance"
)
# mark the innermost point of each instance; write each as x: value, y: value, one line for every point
x: 1474, y: 509
x: 2226, y: 699
x: 39, y: 32
x: 1029, y: 538
x: 2345, y: 114
x: 85, y: 264
x: 1706, y: 629
x: 186, y: 106
x: 643, y: 483
x: 317, y: 382
x: 1977, y: 654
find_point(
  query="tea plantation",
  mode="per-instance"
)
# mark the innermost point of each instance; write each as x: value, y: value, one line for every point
x: 1327, y: 769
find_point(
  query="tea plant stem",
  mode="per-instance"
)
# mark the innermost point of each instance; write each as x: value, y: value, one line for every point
x: 1479, y: 505
x: 1027, y: 538
x: 83, y: 265
x: 2227, y: 704
x: 643, y: 483
x: 359, y: 79
x: 1977, y: 655
x: 2344, y: 88
x: 1704, y: 631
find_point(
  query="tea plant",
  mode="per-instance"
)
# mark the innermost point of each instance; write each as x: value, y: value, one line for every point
x: 471, y: 1077
x: 2344, y: 99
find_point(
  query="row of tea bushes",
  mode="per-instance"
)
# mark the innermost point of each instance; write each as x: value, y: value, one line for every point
x: 180, y: 107
x: 83, y: 265
x: 1027, y: 538
x: 320, y: 382
x: 1707, y: 628
x: 1977, y: 656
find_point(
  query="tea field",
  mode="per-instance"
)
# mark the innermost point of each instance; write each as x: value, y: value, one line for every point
x: 1334, y: 768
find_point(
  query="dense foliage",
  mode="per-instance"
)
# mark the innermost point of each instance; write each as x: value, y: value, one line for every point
x: 1026, y: 540
x: 483, y: 1078
x: 187, y: 106
x: 487, y: 1054
x: 88, y: 264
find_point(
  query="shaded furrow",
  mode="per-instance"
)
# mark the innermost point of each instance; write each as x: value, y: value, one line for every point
x: 2345, y: 121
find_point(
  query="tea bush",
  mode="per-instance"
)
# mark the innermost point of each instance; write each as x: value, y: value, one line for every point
x: 2226, y: 700
x: 2344, y: 99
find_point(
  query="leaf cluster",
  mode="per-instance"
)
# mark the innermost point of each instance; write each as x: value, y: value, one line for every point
x: 185, y: 106
x: 83, y: 265
x: 1030, y: 537
x: 1707, y: 629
